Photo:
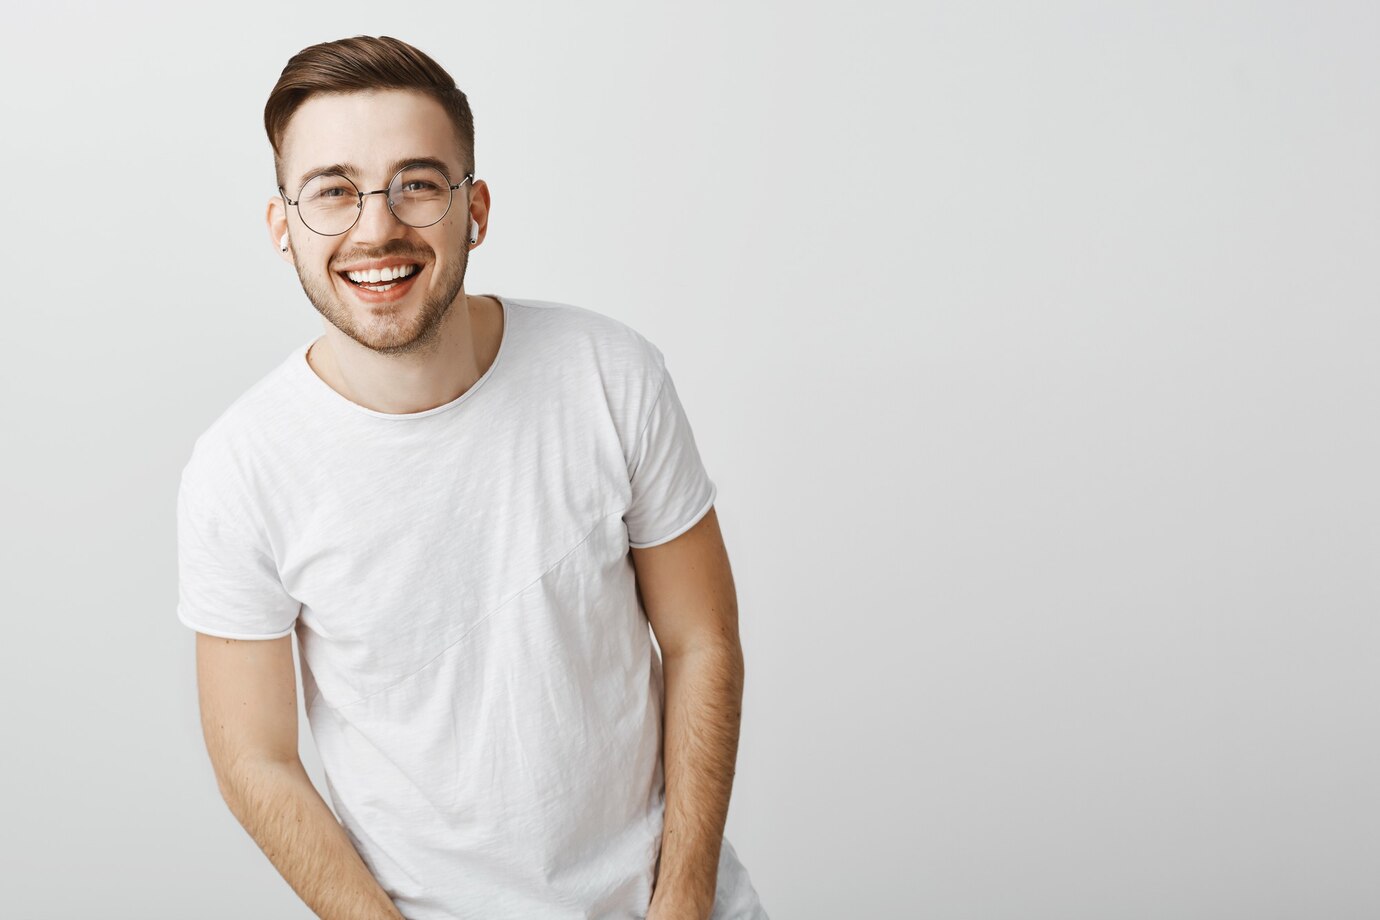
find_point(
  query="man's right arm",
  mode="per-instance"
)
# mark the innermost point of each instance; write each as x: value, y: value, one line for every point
x: 248, y: 693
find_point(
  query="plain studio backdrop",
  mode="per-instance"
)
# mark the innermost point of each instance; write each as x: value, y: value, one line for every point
x: 1032, y: 348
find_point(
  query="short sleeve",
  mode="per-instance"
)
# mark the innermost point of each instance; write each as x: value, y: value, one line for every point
x: 671, y: 490
x: 228, y: 584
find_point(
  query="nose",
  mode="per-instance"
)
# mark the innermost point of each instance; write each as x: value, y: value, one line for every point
x: 376, y: 221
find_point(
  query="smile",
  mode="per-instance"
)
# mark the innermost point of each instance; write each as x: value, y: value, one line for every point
x: 380, y: 279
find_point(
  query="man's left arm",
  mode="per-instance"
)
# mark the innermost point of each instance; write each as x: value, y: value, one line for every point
x: 687, y: 589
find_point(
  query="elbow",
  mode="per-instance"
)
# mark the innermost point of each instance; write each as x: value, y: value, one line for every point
x: 246, y: 778
x: 726, y: 651
x: 719, y: 662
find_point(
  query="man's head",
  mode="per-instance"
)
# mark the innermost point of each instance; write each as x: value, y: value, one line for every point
x: 361, y: 109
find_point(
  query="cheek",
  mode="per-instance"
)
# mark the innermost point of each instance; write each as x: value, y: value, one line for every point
x: 320, y: 258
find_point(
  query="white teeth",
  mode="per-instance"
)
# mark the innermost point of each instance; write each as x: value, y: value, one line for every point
x: 376, y: 275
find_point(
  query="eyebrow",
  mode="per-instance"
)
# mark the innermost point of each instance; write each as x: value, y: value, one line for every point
x: 348, y: 170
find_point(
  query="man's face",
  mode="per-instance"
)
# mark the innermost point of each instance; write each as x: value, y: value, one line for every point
x: 366, y: 137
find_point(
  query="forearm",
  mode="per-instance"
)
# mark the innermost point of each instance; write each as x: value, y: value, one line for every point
x: 704, y: 695
x: 288, y: 819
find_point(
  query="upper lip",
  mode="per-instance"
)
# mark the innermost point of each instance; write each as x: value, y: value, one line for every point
x: 378, y: 264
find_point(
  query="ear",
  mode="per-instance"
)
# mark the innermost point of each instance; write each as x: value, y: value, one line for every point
x: 277, y: 227
x: 480, y: 201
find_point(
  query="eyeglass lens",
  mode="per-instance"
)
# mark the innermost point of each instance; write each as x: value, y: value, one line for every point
x: 419, y: 196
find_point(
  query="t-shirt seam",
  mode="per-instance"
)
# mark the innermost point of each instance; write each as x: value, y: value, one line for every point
x: 642, y: 429
x: 222, y: 633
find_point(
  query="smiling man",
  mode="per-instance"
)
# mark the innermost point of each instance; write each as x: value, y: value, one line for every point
x: 469, y: 509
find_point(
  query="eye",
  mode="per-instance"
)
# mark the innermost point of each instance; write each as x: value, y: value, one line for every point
x: 328, y: 189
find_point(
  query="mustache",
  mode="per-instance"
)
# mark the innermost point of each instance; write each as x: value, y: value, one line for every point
x: 403, y: 251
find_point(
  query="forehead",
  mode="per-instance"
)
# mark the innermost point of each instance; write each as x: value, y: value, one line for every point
x: 369, y: 129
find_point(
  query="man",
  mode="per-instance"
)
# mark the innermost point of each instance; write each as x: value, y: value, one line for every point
x: 468, y: 509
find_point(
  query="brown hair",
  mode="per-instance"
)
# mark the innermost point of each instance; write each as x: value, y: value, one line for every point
x: 361, y: 64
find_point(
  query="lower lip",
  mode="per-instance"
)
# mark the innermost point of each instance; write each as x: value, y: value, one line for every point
x: 397, y: 292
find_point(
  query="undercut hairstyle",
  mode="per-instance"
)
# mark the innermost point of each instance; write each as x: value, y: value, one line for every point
x: 362, y: 64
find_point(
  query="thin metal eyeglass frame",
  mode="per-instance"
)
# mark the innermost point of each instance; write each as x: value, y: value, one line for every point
x: 359, y: 207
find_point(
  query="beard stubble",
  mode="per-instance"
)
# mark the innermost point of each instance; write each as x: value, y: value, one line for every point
x: 391, y: 333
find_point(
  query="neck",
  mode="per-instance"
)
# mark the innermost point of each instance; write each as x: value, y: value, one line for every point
x: 424, y: 376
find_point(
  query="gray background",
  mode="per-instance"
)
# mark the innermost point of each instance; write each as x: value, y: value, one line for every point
x: 1032, y: 348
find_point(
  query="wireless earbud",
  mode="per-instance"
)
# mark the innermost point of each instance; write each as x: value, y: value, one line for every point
x: 283, y: 242
x: 474, y: 230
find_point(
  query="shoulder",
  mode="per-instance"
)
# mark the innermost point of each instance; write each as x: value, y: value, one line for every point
x: 583, y: 333
x: 571, y: 321
x: 589, y: 356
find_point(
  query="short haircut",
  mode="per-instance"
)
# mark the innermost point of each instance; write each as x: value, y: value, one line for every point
x: 362, y: 64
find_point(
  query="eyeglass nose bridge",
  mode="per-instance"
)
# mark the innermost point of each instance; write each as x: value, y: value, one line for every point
x: 387, y: 201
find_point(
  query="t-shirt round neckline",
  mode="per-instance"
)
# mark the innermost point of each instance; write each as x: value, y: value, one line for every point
x: 314, y: 382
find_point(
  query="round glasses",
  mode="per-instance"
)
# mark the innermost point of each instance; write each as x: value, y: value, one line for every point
x: 330, y: 204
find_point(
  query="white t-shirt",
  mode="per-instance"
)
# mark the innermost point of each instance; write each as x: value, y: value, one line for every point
x: 478, y: 670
